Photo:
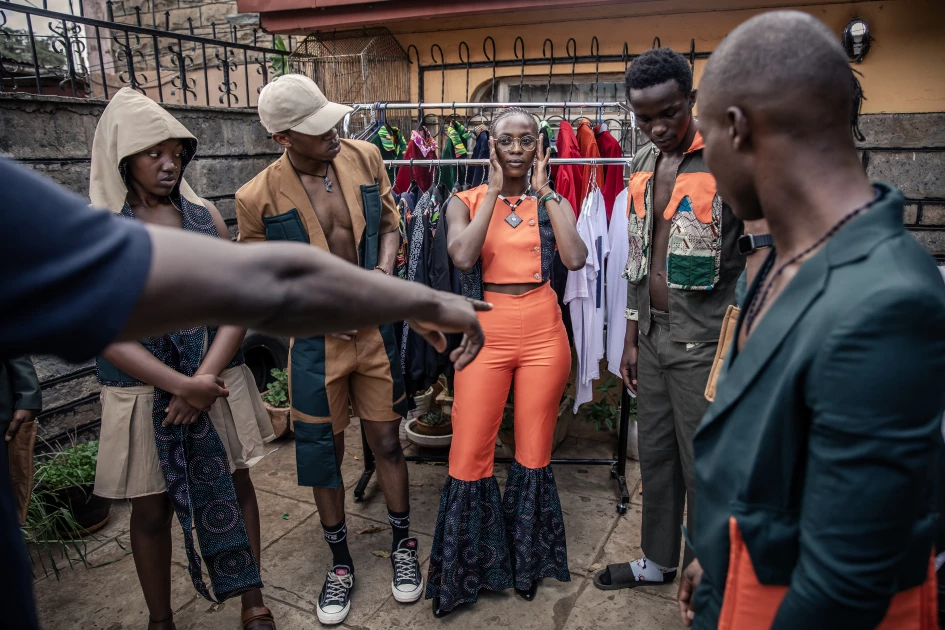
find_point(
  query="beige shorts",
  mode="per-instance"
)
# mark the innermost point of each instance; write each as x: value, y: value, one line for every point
x: 128, y: 464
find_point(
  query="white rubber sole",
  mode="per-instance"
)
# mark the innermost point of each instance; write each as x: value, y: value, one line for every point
x: 332, y: 619
x: 407, y: 597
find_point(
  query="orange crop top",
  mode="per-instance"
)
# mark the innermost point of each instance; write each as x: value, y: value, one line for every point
x: 518, y: 255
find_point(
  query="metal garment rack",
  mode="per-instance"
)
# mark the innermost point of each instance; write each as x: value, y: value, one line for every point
x: 618, y: 463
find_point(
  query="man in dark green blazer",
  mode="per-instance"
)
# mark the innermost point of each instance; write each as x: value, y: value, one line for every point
x: 817, y: 466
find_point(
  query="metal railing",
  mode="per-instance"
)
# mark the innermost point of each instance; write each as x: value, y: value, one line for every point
x: 52, y: 53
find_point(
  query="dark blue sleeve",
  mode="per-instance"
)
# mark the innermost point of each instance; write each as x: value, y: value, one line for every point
x: 69, y: 275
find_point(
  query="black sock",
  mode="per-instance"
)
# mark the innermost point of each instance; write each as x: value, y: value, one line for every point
x: 337, y: 539
x: 400, y: 522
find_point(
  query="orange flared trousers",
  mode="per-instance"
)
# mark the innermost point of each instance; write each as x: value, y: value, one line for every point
x: 526, y: 343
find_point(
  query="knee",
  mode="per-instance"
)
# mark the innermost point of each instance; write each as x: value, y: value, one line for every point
x: 387, y: 448
x: 152, y: 515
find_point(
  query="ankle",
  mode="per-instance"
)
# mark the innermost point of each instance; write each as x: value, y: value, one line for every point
x: 252, y: 599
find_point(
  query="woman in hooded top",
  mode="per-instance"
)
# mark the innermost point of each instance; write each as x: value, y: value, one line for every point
x: 181, y: 418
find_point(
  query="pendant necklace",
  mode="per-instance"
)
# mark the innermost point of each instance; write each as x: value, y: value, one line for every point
x: 324, y: 177
x: 513, y: 219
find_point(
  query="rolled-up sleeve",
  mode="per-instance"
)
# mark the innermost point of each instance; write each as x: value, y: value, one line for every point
x: 876, y: 390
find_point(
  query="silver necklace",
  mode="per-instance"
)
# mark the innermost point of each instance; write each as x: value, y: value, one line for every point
x: 513, y: 219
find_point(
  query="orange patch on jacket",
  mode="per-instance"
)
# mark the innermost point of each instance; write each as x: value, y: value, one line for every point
x: 638, y: 193
x: 751, y: 605
x: 701, y: 190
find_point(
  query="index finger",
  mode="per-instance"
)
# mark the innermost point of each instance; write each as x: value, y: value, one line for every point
x: 479, y: 305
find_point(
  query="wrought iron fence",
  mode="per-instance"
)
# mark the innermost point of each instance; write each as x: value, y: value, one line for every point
x: 67, y: 54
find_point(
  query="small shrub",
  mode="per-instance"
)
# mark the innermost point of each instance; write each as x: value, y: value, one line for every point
x: 74, y: 466
x: 278, y: 390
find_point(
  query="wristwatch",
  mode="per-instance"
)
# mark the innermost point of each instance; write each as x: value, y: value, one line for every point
x: 749, y: 243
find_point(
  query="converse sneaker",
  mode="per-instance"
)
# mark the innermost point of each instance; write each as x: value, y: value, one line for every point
x: 407, y: 584
x: 334, y: 602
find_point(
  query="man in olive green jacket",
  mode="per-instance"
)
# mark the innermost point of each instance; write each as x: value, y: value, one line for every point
x: 818, y: 465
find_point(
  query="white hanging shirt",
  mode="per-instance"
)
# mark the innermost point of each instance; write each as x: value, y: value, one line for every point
x: 585, y: 296
x: 616, y: 283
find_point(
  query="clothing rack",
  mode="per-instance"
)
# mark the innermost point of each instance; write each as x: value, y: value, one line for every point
x: 617, y: 463
x: 483, y: 162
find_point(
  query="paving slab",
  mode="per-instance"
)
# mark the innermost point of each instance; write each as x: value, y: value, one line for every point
x: 103, y: 597
x: 595, y: 480
x: 493, y: 610
x: 294, y: 567
x: 203, y: 615
x: 612, y: 610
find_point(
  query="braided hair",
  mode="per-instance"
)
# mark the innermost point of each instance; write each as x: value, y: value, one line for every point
x: 506, y: 113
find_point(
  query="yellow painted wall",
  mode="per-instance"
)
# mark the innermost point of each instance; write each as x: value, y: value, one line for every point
x: 903, y: 72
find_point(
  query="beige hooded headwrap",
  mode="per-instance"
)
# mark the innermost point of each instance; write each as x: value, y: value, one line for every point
x: 130, y: 124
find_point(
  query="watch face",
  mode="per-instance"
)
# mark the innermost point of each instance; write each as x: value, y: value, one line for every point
x: 745, y: 244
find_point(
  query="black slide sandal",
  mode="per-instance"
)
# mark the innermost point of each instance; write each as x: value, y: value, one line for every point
x: 622, y: 576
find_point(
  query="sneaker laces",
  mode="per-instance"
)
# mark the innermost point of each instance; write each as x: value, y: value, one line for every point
x: 404, y: 566
x: 337, y: 587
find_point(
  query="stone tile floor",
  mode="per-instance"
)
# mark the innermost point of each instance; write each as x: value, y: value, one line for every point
x: 295, y: 558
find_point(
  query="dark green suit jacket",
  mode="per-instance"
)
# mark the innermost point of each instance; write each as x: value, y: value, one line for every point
x: 19, y: 388
x: 824, y: 438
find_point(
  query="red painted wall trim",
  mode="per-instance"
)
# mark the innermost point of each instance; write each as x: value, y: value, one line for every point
x: 326, y: 14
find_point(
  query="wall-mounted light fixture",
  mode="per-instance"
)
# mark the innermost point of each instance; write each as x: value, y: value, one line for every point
x: 856, y: 39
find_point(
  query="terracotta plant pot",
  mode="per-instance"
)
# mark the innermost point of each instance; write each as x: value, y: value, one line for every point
x: 279, y: 417
x: 91, y: 512
x: 414, y: 433
x: 425, y: 429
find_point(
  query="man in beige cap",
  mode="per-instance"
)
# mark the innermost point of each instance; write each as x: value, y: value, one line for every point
x: 335, y: 195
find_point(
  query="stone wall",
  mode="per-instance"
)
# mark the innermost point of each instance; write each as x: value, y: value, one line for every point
x: 54, y: 137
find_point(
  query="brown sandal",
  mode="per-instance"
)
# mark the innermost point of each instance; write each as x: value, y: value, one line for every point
x: 260, y: 614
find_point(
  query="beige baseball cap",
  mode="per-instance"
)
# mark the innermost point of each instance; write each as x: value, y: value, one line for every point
x: 294, y: 102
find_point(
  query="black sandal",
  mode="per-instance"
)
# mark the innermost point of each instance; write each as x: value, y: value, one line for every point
x: 623, y: 575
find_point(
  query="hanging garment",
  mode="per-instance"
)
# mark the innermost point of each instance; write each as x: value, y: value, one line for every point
x: 444, y: 277
x: 616, y: 283
x: 587, y: 145
x: 392, y: 146
x: 585, y: 297
x: 482, y: 153
x: 454, y: 149
x: 568, y: 177
x: 405, y: 205
x: 612, y: 183
x: 422, y: 146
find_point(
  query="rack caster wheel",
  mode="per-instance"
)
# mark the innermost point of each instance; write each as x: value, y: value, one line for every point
x: 613, y: 473
x: 621, y: 508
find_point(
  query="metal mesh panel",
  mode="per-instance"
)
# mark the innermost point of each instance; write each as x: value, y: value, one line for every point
x: 364, y: 65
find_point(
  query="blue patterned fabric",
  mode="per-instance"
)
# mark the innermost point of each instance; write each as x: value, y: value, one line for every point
x: 535, y: 526
x: 470, y: 546
x: 195, y: 464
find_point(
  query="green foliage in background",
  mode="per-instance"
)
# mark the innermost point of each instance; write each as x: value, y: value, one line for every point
x: 278, y: 390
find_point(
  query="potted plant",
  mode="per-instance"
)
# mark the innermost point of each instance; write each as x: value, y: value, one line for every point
x: 276, y: 401
x: 605, y: 414
x: 422, y: 402
x: 433, y: 429
x: 64, y: 481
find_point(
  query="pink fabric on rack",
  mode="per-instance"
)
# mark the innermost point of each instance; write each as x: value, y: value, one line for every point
x: 613, y: 182
x: 568, y: 177
x: 422, y: 146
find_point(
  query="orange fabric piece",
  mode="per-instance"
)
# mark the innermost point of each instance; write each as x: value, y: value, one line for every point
x: 587, y: 143
x: 750, y: 605
x: 638, y: 193
x: 698, y: 143
x: 700, y: 188
x: 509, y: 255
x: 525, y: 338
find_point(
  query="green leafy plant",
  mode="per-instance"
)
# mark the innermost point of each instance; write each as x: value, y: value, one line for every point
x: 279, y: 63
x: 605, y: 413
x: 277, y: 394
x: 52, y: 534
x: 434, y: 418
x: 74, y: 466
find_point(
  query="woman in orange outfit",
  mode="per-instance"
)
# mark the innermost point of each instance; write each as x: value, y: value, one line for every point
x: 503, y: 236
